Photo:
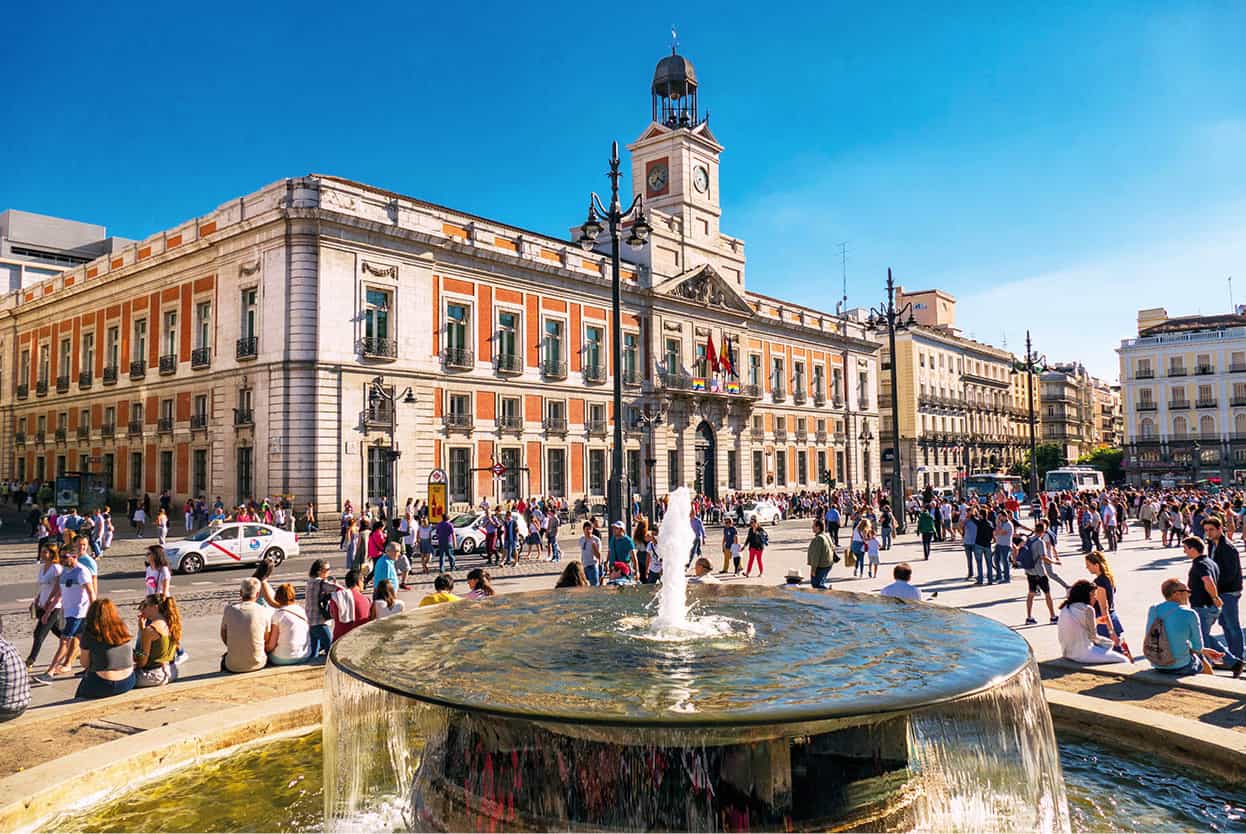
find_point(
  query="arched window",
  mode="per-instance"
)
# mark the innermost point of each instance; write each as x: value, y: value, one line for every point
x: 1207, y: 426
x: 1178, y: 426
x: 1146, y: 428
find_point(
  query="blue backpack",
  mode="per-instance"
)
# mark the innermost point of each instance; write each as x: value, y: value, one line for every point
x: 1026, y: 556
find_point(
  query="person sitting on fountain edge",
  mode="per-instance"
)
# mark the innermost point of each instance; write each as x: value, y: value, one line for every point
x: 703, y: 573
x: 620, y: 574
x: 443, y: 584
x: 901, y: 589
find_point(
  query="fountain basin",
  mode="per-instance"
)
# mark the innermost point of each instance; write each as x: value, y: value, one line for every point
x: 562, y: 710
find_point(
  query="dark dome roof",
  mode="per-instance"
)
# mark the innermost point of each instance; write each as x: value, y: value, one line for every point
x: 674, y: 76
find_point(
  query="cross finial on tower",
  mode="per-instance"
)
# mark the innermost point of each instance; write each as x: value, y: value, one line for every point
x: 674, y: 39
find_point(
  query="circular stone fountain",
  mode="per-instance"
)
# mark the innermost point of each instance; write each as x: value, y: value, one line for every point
x: 771, y: 709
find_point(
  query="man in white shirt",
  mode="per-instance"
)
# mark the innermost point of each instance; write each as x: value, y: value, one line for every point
x: 1109, y: 523
x: 901, y: 589
x: 703, y: 572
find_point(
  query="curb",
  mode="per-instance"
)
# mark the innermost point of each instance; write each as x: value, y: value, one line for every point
x: 1208, y: 684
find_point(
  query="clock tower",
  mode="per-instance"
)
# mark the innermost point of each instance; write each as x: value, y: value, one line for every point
x: 675, y: 168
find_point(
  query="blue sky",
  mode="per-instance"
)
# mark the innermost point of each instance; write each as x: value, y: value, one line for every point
x: 1055, y: 168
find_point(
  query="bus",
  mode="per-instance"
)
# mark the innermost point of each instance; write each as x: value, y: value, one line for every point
x: 1073, y: 479
x: 986, y: 484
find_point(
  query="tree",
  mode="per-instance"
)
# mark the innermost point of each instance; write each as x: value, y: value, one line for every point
x: 1049, y: 456
x: 1108, y: 461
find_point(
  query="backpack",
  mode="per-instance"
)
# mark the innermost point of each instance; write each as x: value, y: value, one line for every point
x: 1026, y: 557
x: 1155, y: 646
x: 765, y: 538
x: 326, y: 594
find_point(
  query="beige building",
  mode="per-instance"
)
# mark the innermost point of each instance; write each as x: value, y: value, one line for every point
x: 957, y: 399
x: 329, y: 290
x: 1070, y: 409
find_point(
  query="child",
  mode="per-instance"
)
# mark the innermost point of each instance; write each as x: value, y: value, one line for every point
x: 871, y: 546
x: 737, y: 553
x: 162, y: 526
x: 654, y: 559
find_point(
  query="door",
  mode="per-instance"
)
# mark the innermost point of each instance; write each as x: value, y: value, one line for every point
x: 255, y: 541
x: 223, y: 547
x: 706, y: 481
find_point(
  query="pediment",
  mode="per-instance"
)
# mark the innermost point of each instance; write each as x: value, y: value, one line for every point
x: 704, y: 286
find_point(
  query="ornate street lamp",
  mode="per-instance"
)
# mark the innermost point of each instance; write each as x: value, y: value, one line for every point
x: 378, y: 394
x: 865, y: 437
x: 893, y: 319
x: 647, y: 422
x: 615, y: 216
x: 1031, y: 365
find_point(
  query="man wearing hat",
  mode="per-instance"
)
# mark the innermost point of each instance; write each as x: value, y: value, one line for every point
x: 622, y: 548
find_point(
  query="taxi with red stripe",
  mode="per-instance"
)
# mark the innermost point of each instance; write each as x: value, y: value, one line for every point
x: 231, y: 543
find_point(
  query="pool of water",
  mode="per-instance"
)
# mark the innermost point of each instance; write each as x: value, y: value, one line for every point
x: 277, y: 786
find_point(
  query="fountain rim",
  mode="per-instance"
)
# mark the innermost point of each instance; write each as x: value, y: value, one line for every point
x: 690, y: 721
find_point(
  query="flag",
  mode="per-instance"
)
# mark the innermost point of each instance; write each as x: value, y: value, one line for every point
x: 727, y: 361
x: 698, y: 383
x: 711, y: 357
x: 733, y: 387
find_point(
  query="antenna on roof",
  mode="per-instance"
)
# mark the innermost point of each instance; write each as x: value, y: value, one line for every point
x: 843, y: 267
x: 1232, y: 306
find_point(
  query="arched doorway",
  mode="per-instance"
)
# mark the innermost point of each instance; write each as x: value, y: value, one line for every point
x: 706, y: 451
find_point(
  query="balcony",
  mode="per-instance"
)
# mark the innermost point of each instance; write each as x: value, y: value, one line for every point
x: 1146, y: 406
x: 23, y: 391
x: 802, y: 436
x: 1205, y: 404
x: 85, y: 380
x: 168, y: 364
x: 819, y: 399
x: 41, y: 437
x: 510, y: 423
x: 19, y: 438
x: 62, y: 384
x: 1237, y: 368
x: 752, y: 392
x: 508, y: 363
x: 41, y: 388
x: 675, y: 381
x: 108, y: 431
x: 248, y: 348
x: 62, y: 435
x: 799, y: 395
x: 200, y: 358
x: 1177, y: 372
x: 554, y: 425
x: 553, y: 369
x: 595, y: 373
x: 780, y: 435
x: 598, y: 427
x: 1144, y: 373
x: 457, y: 422
x: 864, y: 404
x: 164, y: 425
x: 380, y: 415
x: 631, y: 377
x: 1204, y: 370
x: 779, y: 392
x: 457, y: 359
x: 1237, y: 401
x: 757, y: 434
x: 374, y: 348
x: 84, y: 432
x: 822, y: 436
x: 138, y: 369
x: 198, y: 422
x: 244, y: 417
x: 135, y: 429
x: 1178, y: 405
x: 110, y: 375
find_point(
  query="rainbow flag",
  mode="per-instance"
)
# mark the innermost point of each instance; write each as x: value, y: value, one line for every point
x: 698, y: 383
x: 733, y: 387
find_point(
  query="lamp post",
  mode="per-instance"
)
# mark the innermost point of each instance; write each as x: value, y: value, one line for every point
x: 614, y: 216
x: 648, y: 421
x: 893, y: 319
x: 865, y: 437
x: 1197, y: 449
x: 378, y: 394
x: 1032, y: 364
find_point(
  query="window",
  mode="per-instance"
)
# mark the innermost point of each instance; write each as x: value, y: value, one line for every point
x: 798, y: 373
x: 244, y: 400
x: 136, y: 471
x: 759, y: 470
x: 378, y: 473
x: 672, y: 469
x: 21, y: 468
x: 821, y: 464
x: 88, y: 352
x: 460, y: 408
x: 457, y: 322
x: 63, y: 358
x: 555, y: 410
x: 780, y: 467
x: 509, y: 458
x: 702, y: 363
x: 139, y: 347
x: 1204, y: 394
x: 62, y: 421
x: 45, y: 363
x: 818, y: 374
x: 592, y: 349
x: 733, y: 469
x: 136, y: 412
x: 249, y: 325
x: 460, y: 474
x: 837, y: 385
x: 596, y: 471
x: 112, y: 347
x: 60, y: 466
x: 376, y: 315
x: 201, y: 406
x: 777, y: 377
x: 673, y: 356
x: 802, y: 466
x: 170, y: 333
x: 921, y: 359
x: 110, y: 416
x: 23, y: 369
x: 199, y: 472
x: 166, y: 471
x: 203, y: 324
x: 631, y: 356
x: 632, y: 463
x: 510, y: 412
x: 41, y: 468
x: 556, y: 472
x: 245, y: 473
x: 84, y: 419
x: 754, y: 370
x: 166, y: 410
x: 863, y: 387
x: 553, y: 342
x: 508, y: 335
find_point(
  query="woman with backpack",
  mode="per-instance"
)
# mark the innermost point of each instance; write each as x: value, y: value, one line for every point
x: 320, y: 588
x: 756, y: 541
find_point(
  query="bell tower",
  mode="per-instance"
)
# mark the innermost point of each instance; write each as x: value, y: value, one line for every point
x: 675, y: 168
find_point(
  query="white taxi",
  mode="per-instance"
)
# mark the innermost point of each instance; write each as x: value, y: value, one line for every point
x: 231, y: 543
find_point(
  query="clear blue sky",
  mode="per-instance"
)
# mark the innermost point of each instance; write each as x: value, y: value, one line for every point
x: 1053, y: 169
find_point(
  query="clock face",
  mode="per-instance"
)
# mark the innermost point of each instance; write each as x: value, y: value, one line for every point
x: 700, y: 179
x: 657, y: 178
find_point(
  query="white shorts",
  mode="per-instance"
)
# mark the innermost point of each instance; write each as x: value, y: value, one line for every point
x: 874, y: 557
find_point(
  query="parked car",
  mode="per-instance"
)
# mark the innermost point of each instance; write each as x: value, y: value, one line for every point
x: 766, y: 512
x: 232, y: 543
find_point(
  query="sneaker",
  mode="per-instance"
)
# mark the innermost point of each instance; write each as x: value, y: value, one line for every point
x: 1031, y: 621
x: 1055, y: 620
x: 1237, y: 668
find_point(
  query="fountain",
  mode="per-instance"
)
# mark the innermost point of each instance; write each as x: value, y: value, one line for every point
x: 731, y: 707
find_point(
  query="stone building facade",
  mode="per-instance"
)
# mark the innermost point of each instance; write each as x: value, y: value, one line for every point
x: 240, y: 353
